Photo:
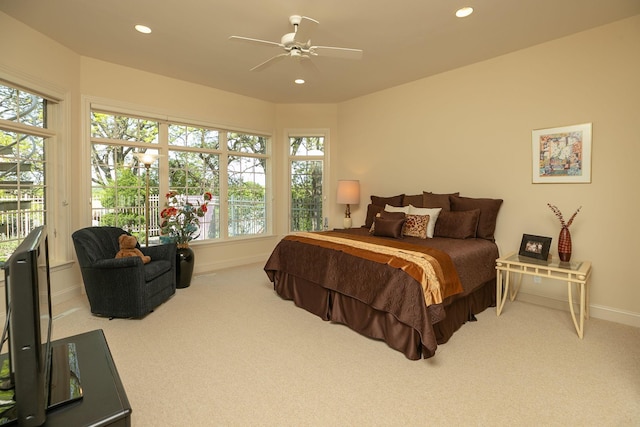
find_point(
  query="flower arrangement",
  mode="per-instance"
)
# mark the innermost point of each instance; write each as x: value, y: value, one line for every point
x: 180, y: 217
x: 560, y: 217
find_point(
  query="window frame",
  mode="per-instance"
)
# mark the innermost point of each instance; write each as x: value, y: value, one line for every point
x: 163, y: 147
x: 56, y: 137
x: 302, y: 133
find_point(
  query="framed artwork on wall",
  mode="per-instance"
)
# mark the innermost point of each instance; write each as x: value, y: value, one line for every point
x: 535, y: 246
x: 562, y: 154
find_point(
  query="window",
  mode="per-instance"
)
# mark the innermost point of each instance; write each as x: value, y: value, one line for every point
x: 247, y: 177
x: 118, y: 180
x: 306, y: 160
x: 194, y: 168
x: 23, y: 163
x: 191, y: 167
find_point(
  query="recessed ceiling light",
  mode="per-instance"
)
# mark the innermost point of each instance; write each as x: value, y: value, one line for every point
x: 143, y: 29
x: 299, y: 81
x: 463, y: 12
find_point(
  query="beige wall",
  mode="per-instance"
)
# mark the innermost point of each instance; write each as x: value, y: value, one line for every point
x: 31, y: 60
x: 178, y: 98
x: 469, y: 130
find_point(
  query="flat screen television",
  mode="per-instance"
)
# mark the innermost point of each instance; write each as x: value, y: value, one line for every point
x: 41, y: 375
x: 29, y: 322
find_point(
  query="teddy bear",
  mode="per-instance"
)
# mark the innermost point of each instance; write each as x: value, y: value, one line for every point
x: 128, y: 248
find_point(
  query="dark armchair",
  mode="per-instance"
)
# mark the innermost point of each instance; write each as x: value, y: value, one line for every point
x: 123, y: 287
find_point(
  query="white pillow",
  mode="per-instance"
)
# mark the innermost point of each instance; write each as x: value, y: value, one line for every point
x: 390, y: 208
x: 433, y: 216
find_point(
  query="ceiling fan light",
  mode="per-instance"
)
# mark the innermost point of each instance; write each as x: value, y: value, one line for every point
x: 464, y: 12
x: 299, y: 81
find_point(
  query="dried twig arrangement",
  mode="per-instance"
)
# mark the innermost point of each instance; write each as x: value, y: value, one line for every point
x: 559, y: 215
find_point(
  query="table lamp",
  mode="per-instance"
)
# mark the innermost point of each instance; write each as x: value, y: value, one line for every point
x: 348, y: 194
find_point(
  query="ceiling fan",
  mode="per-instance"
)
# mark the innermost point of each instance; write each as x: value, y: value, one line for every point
x: 298, y: 44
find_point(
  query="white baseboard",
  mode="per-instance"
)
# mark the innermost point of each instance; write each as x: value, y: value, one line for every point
x: 66, y: 294
x: 596, y: 311
x: 205, y: 268
x: 56, y: 298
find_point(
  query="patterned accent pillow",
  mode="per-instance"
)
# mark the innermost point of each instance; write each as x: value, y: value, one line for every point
x: 416, y: 226
x: 433, y: 217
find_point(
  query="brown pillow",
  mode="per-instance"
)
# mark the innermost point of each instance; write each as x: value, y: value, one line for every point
x: 372, y: 211
x: 388, y: 227
x: 414, y: 199
x: 392, y: 215
x: 432, y: 200
x: 387, y: 215
x: 488, y: 213
x: 393, y: 201
x: 457, y: 225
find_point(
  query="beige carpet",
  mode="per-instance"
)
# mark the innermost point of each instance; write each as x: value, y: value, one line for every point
x: 227, y: 351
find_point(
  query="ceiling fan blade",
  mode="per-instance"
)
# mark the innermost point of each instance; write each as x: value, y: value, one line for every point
x: 268, y: 62
x: 336, y: 52
x: 250, y: 40
x: 307, y: 64
x: 305, y: 29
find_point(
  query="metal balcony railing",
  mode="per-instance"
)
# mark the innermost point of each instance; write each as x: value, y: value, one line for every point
x: 245, y: 217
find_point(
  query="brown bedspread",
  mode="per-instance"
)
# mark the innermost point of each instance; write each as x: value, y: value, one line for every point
x: 430, y: 267
x: 474, y: 259
x: 382, y: 286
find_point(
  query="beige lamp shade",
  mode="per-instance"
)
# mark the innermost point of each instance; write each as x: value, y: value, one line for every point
x: 348, y: 192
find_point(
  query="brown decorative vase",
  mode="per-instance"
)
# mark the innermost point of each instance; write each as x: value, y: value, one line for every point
x: 564, y: 244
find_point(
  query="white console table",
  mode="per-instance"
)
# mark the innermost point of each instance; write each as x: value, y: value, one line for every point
x: 573, y: 273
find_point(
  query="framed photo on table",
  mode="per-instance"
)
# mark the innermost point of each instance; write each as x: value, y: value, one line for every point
x: 562, y: 154
x: 535, y: 246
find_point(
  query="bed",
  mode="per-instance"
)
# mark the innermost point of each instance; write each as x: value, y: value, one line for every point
x: 407, y: 289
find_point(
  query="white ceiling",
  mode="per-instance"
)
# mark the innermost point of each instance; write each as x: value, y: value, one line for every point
x: 402, y: 41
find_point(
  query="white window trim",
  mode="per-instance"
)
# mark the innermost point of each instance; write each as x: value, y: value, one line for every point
x: 302, y: 132
x: 89, y: 103
x: 58, y: 217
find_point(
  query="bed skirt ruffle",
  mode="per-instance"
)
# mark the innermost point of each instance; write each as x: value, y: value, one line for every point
x: 336, y: 307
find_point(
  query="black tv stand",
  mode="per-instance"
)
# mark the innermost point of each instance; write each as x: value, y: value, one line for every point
x: 104, y: 401
x: 64, y: 385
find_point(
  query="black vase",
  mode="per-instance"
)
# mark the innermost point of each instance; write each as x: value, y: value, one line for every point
x: 185, y: 260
